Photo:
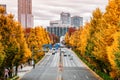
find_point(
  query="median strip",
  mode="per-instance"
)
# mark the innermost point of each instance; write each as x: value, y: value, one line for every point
x: 60, y: 68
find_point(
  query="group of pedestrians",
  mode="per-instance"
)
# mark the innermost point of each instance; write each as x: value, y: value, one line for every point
x: 7, y: 72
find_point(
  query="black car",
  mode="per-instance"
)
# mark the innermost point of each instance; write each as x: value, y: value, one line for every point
x: 53, y: 53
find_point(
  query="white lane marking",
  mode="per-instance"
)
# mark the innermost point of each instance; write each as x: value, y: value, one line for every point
x: 74, y: 76
x: 73, y: 63
x: 66, y: 62
x: 63, y: 60
x: 86, y: 77
x: 58, y: 58
x: 44, y: 62
x: 54, y: 61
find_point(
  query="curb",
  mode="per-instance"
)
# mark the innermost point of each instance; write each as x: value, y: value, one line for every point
x: 40, y: 60
x: 15, y: 78
x: 87, y: 66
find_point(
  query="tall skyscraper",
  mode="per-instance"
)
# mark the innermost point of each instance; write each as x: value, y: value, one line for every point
x: 4, y: 5
x: 25, y: 16
x: 76, y: 21
x: 65, y: 18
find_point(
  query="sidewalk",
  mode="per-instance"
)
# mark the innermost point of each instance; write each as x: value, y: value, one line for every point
x: 24, y: 70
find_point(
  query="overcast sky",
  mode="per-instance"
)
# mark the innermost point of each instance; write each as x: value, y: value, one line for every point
x: 46, y: 10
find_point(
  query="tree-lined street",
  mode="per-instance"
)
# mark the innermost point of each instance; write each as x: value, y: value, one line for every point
x: 67, y: 40
x: 48, y: 68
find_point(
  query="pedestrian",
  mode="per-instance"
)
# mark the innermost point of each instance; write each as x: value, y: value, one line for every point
x: 21, y: 66
x: 6, y: 75
x: 34, y: 66
x: 32, y: 62
x: 29, y: 62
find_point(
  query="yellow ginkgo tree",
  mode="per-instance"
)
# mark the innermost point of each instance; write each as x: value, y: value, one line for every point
x: 14, y: 44
x: 37, y: 37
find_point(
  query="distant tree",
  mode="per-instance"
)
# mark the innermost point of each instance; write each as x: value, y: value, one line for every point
x: 37, y: 37
x: 71, y: 30
x: 67, y: 38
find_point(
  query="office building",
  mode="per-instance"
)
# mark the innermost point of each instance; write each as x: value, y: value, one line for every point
x: 25, y: 16
x: 59, y: 31
x: 60, y: 27
x: 65, y: 19
x: 55, y: 23
x: 56, y: 27
x: 76, y: 21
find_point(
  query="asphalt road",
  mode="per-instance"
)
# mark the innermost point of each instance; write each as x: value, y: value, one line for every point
x: 64, y: 66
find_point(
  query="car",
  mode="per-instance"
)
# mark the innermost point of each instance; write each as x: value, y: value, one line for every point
x: 69, y: 55
x: 53, y: 49
x: 53, y: 53
x: 64, y: 54
x: 47, y: 54
x: 62, y: 51
x: 71, y: 58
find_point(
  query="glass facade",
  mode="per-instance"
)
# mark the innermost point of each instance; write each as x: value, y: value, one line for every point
x: 59, y: 31
x: 76, y: 21
x: 65, y: 18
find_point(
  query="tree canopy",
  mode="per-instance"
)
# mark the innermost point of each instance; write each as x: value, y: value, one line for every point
x: 99, y: 40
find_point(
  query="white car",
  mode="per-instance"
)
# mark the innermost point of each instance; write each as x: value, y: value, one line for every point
x: 53, y: 51
x: 71, y: 57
